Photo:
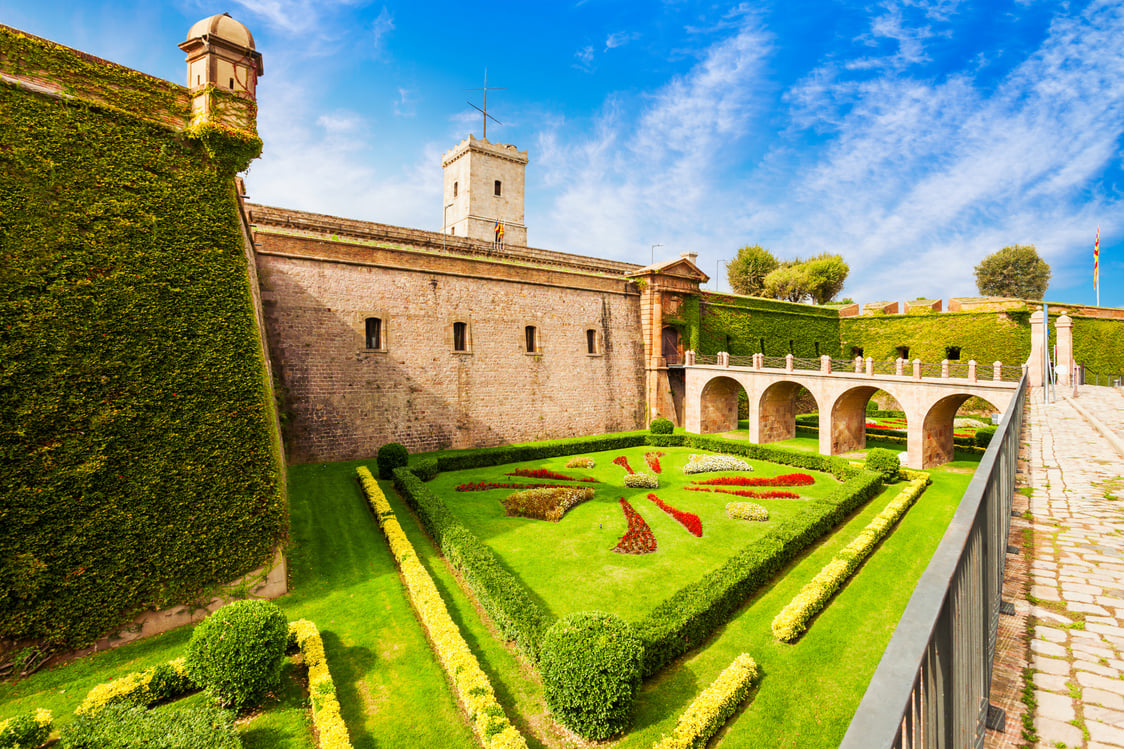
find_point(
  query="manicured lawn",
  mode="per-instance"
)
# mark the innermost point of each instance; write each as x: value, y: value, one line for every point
x: 570, y: 565
x: 393, y: 693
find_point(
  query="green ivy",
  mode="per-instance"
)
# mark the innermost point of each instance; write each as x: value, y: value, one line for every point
x: 138, y: 467
x: 984, y: 336
x: 813, y: 331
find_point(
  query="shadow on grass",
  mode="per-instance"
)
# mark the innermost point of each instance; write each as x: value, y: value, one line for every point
x: 348, y: 666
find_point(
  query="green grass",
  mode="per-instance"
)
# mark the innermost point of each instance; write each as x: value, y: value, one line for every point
x: 570, y: 565
x: 393, y: 692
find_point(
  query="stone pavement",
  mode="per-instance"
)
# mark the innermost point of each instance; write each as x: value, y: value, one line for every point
x: 1070, y: 606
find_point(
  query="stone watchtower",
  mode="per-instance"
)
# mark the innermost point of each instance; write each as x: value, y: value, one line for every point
x: 221, y: 60
x: 484, y: 184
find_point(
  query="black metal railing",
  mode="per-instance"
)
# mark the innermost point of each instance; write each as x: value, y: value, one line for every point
x: 931, y: 687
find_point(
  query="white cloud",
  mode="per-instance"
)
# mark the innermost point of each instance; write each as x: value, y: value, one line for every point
x: 584, y: 57
x: 620, y: 38
x: 380, y: 28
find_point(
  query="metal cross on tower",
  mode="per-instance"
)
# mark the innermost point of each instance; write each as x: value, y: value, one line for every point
x: 484, y: 111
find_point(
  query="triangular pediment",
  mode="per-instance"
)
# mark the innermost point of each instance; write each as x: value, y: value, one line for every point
x: 680, y: 266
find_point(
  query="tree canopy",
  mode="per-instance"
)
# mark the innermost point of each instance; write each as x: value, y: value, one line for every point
x: 1015, y: 271
x: 746, y: 272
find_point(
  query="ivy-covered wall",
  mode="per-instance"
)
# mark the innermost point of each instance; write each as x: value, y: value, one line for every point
x: 138, y: 466
x: 1099, y: 345
x: 744, y: 326
x: 984, y: 336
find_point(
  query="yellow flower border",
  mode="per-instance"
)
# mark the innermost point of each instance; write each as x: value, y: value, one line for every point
x: 321, y: 689
x: 469, y: 681
x: 713, y: 707
x: 793, y: 619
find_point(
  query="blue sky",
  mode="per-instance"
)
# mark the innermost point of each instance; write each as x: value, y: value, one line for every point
x: 914, y: 137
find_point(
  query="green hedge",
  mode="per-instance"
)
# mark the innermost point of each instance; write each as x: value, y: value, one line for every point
x: 132, y: 726
x: 459, y: 460
x: 751, y: 324
x: 138, y: 463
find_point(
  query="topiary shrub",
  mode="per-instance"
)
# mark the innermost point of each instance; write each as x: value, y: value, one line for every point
x: 235, y: 654
x: 984, y: 435
x: 392, y: 455
x: 133, y: 726
x: 661, y: 426
x: 884, y: 462
x: 590, y: 665
x: 25, y: 731
x: 426, y: 469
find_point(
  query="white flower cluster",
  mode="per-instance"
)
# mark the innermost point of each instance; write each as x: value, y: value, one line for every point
x: 642, y: 481
x: 708, y: 463
x: 582, y: 462
x: 968, y: 424
x: 746, y: 511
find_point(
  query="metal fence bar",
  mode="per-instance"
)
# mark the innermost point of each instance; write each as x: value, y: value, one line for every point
x: 931, y: 687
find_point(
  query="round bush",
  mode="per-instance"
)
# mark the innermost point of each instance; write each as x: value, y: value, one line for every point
x: 235, y: 654
x: 661, y: 426
x: 884, y: 462
x: 392, y: 455
x: 590, y: 666
x: 984, y: 435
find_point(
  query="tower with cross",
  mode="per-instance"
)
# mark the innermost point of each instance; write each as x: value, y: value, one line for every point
x: 484, y: 184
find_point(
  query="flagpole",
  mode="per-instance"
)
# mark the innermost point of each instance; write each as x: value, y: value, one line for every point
x: 1097, y: 266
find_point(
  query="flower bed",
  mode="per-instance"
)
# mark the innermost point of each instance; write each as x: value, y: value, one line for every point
x: 641, y: 481
x: 470, y: 683
x: 688, y: 520
x: 622, y: 461
x: 746, y: 511
x: 713, y: 707
x: 542, y: 473
x: 321, y: 689
x: 580, y: 462
x: 483, y: 486
x: 653, y: 460
x: 785, y: 479
x: 710, y: 463
x: 546, y: 503
x: 745, y: 493
x: 638, y: 539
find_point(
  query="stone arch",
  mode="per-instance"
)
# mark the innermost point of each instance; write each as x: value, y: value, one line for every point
x: 775, y: 417
x: 937, y: 445
x: 848, y: 420
x: 718, y: 404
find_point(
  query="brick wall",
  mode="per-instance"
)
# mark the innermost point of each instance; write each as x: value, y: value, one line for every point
x: 343, y: 401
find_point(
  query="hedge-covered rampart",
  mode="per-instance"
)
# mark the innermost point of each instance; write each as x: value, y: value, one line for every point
x: 755, y: 325
x: 984, y: 336
x: 138, y: 468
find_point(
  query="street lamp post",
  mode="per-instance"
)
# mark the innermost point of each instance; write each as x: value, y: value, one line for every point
x: 445, y: 225
x: 654, y: 252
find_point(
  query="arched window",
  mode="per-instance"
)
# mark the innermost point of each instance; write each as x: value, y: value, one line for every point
x: 531, y: 334
x: 460, y: 336
x: 374, y: 333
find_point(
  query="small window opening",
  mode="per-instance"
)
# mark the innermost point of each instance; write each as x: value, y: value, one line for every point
x: 460, y: 336
x: 530, y: 331
x: 453, y: 230
x: 231, y: 84
x: 374, y: 333
x: 198, y: 80
x: 791, y: 346
x: 455, y: 187
x: 856, y: 351
x: 591, y: 341
x: 903, y: 352
x: 727, y: 343
x: 817, y: 349
x: 499, y: 188
x: 952, y: 353
x: 762, y: 345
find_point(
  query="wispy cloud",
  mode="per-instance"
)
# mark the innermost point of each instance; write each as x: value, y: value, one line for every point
x: 380, y: 29
x: 620, y: 38
x: 583, y: 59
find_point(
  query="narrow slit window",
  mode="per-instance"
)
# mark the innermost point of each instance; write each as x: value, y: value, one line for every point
x: 817, y: 349
x: 762, y: 345
x: 530, y: 333
x: 460, y: 336
x: 903, y: 352
x: 952, y: 353
x: 231, y: 84
x: 374, y: 333
x: 455, y: 186
x: 591, y: 341
x: 499, y: 187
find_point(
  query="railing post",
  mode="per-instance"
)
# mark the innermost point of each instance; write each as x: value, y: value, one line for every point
x: 997, y: 371
x: 944, y: 369
x: 788, y: 363
x: 723, y: 359
x: 825, y: 364
x: 899, y: 366
x: 690, y: 358
x: 917, y: 369
x: 858, y: 364
x: 758, y: 361
x: 870, y: 366
x: 971, y: 370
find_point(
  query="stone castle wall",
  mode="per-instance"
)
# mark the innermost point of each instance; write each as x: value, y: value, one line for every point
x: 344, y: 401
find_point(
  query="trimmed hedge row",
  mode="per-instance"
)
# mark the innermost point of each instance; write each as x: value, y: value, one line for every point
x: 713, y: 707
x: 503, y: 596
x: 793, y: 620
x: 166, y: 681
x: 321, y: 689
x: 26, y: 731
x: 470, y: 683
x: 494, y: 456
x: 965, y: 444
x: 130, y: 726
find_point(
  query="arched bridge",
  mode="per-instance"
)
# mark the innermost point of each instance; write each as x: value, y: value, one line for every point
x: 930, y: 395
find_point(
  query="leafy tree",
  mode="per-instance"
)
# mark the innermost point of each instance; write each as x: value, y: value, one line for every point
x: 788, y: 282
x: 824, y: 276
x: 1015, y: 271
x: 746, y: 272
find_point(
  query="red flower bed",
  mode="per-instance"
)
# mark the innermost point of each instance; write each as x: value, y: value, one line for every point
x: 622, y: 461
x: 653, y: 459
x: 483, y: 486
x: 638, y: 539
x: 542, y: 473
x: 786, y: 479
x: 746, y: 493
x: 688, y: 520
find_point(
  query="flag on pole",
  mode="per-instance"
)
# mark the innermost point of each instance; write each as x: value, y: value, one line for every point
x: 1097, y: 260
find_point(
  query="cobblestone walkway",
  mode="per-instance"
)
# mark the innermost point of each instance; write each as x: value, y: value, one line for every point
x: 1076, y: 570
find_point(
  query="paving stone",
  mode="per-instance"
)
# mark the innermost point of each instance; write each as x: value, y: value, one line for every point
x: 1052, y: 682
x: 1112, y: 735
x: 1050, y: 633
x: 1096, y: 681
x: 1057, y: 707
x: 1113, y: 700
x: 1045, y: 593
x: 1051, y: 732
x: 1104, y: 715
x: 1050, y: 665
x: 1048, y: 648
x: 1087, y: 608
x: 1096, y: 668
